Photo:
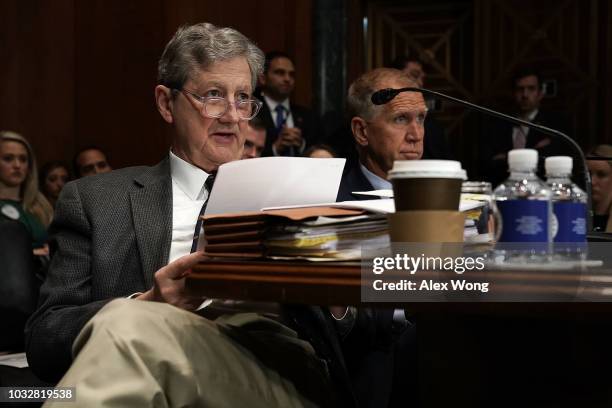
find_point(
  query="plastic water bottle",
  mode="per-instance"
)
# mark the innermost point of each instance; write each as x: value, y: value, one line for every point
x: 569, y: 208
x: 524, y: 205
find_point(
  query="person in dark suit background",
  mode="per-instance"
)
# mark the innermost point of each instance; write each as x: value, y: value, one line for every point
x: 499, y: 137
x: 435, y: 145
x: 291, y: 128
x: 383, y: 134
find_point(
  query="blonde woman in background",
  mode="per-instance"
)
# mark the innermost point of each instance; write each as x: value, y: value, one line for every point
x: 20, y: 199
x: 601, y: 174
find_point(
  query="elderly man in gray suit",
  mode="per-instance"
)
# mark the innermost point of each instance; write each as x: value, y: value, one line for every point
x: 114, y: 310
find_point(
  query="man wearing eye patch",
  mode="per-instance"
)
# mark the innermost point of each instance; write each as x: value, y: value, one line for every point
x: 382, y: 134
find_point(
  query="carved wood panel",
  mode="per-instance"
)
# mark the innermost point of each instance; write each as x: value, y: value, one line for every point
x: 471, y: 47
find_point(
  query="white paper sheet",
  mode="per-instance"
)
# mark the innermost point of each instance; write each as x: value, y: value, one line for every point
x: 250, y: 185
x: 17, y: 360
x: 381, y: 206
x: 375, y: 193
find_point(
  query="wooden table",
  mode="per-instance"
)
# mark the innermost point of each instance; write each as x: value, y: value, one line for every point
x: 338, y: 283
x: 480, y: 354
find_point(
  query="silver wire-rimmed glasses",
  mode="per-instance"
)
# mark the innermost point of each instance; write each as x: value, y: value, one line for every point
x: 217, y: 106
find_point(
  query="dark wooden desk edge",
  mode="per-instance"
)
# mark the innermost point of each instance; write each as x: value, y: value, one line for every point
x: 292, y: 282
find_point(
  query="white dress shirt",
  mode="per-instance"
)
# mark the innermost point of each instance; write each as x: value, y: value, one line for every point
x: 188, y: 196
x: 519, y: 133
x: 378, y: 183
x: 272, y: 104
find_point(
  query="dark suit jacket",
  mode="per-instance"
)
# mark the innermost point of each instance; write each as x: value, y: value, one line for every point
x: 303, y: 118
x: 353, y: 179
x: 373, y: 370
x: 497, y: 138
x: 110, y: 234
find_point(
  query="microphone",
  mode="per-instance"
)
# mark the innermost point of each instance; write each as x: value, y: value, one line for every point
x: 384, y: 96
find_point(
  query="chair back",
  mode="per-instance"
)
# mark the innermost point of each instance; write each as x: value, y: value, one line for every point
x: 18, y: 283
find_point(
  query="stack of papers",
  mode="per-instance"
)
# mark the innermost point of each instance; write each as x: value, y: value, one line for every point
x: 328, y: 238
x: 312, y: 233
x: 283, y: 208
x: 382, y: 206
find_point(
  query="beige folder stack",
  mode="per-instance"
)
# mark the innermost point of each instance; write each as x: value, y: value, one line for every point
x: 308, y: 233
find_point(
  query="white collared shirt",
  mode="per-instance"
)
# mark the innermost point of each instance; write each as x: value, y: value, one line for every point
x: 519, y: 133
x: 188, y: 196
x: 378, y: 183
x: 272, y: 104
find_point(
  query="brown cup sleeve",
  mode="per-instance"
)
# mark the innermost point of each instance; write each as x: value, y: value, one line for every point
x: 426, y: 226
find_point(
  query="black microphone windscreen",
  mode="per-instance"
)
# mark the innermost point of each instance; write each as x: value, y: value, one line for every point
x: 383, y: 96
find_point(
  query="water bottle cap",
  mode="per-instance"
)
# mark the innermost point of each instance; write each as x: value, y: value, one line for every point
x: 558, y: 165
x: 522, y: 159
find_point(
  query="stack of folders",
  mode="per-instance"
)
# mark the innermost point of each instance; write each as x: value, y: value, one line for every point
x: 309, y: 233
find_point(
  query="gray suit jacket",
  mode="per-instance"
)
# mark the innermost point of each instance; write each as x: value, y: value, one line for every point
x: 110, y: 234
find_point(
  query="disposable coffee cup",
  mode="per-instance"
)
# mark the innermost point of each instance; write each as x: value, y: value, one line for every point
x: 427, y: 184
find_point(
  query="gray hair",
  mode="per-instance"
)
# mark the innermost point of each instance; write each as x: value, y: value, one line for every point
x: 201, y: 45
x: 360, y: 92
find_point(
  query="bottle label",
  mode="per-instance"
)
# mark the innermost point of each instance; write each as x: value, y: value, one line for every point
x: 524, y: 220
x: 571, y: 218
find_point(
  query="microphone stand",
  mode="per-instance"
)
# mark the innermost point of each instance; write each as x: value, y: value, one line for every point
x: 385, y: 95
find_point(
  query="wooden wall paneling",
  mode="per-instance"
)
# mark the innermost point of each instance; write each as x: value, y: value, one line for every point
x: 118, y: 45
x: 369, y: 35
x: 594, y: 110
x: 281, y: 25
x: 76, y: 73
x: 36, y: 74
x: 271, y: 24
x: 13, y: 63
x: 535, y: 31
x: 571, y: 40
x: 605, y: 51
x: 55, y: 76
x: 355, y: 43
x: 19, y: 59
x: 299, y: 44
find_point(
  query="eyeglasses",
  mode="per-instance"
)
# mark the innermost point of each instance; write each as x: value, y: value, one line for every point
x: 216, y: 106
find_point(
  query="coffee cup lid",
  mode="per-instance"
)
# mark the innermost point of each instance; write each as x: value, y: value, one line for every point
x: 427, y: 169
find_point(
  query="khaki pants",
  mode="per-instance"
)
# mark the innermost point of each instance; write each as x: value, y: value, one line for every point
x: 147, y: 354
